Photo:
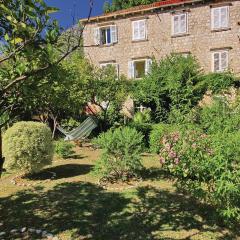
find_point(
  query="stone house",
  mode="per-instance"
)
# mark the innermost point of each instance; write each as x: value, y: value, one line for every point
x: 130, y: 38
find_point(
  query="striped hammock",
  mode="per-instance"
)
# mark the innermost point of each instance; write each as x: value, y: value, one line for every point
x: 81, y: 132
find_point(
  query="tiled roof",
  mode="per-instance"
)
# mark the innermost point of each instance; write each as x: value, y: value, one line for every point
x: 148, y: 6
x: 141, y: 8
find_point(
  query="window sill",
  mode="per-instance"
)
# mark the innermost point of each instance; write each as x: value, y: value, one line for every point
x: 180, y: 35
x: 107, y: 45
x: 140, y: 40
x: 221, y: 29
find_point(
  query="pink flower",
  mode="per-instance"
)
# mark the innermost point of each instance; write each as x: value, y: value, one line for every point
x: 176, y: 161
x: 162, y: 160
x: 172, y: 154
x: 167, y: 146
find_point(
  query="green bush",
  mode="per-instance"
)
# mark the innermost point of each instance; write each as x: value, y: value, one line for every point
x: 64, y: 149
x: 145, y: 129
x: 120, y: 159
x: 27, y: 146
x: 142, y: 117
x: 217, y: 82
x: 207, y: 166
x: 219, y: 116
x: 173, y: 83
x: 158, y: 131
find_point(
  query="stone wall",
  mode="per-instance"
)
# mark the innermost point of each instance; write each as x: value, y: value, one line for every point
x: 200, y: 40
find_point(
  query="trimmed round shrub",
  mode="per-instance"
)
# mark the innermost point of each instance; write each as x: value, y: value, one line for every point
x: 121, y: 149
x: 28, y: 146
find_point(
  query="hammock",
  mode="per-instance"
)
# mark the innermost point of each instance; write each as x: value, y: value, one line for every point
x: 81, y: 132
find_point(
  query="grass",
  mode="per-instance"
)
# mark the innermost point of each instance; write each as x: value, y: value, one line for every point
x: 74, y: 206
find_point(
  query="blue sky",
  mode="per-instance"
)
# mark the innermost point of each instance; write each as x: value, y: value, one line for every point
x: 77, y: 8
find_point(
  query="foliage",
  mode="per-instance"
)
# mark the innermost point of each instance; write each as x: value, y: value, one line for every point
x: 27, y: 38
x: 123, y: 4
x: 60, y: 94
x: 173, y: 83
x: 70, y: 124
x: 158, y: 131
x: 204, y: 156
x: 219, y: 116
x: 142, y: 117
x: 145, y: 129
x: 175, y: 86
x: 64, y: 149
x: 217, y: 82
x: 65, y: 91
x: 27, y: 146
x: 108, y: 92
x: 120, y: 158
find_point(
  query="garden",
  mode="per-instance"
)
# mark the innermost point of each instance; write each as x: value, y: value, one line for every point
x: 74, y: 165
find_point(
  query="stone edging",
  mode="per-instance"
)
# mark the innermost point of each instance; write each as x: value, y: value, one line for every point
x: 136, y: 184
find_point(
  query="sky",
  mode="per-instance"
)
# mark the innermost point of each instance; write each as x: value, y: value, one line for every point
x: 77, y: 8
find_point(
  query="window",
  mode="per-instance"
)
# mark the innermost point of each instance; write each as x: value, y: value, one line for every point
x: 179, y: 25
x: 220, y: 17
x: 105, y: 35
x: 113, y: 64
x: 183, y: 54
x: 139, y: 30
x: 139, y: 68
x: 220, y: 61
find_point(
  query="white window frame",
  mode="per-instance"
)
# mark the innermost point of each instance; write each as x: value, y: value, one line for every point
x: 213, y: 9
x: 148, y: 63
x: 173, y: 25
x: 106, y: 35
x: 139, y: 37
x: 113, y: 35
x: 105, y: 64
x: 221, y: 68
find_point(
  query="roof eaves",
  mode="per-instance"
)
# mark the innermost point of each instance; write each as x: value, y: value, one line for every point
x: 139, y: 9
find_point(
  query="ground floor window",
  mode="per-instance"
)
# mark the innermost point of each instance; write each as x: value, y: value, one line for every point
x: 107, y: 64
x: 139, y: 68
x: 220, y: 61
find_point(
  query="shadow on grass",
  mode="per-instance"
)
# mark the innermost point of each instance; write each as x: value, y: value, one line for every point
x: 62, y: 171
x: 154, y: 173
x: 76, y: 156
x: 86, y: 211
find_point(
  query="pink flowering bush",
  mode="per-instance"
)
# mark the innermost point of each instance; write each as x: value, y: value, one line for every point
x: 206, y: 166
x: 185, y: 154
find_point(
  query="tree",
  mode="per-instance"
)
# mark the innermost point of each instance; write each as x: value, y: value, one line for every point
x: 173, y: 83
x: 123, y: 4
x: 108, y: 92
x: 29, y: 47
x: 59, y: 94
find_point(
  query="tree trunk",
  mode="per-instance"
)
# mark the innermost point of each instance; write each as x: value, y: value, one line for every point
x: 1, y: 154
x: 54, y: 127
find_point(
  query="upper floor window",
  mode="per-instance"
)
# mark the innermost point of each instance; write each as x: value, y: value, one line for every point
x: 220, y: 17
x: 105, y: 35
x: 139, y: 68
x: 220, y: 60
x: 180, y: 24
x: 139, y: 30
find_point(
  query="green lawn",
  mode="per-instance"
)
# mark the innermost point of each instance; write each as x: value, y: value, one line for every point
x: 74, y: 206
